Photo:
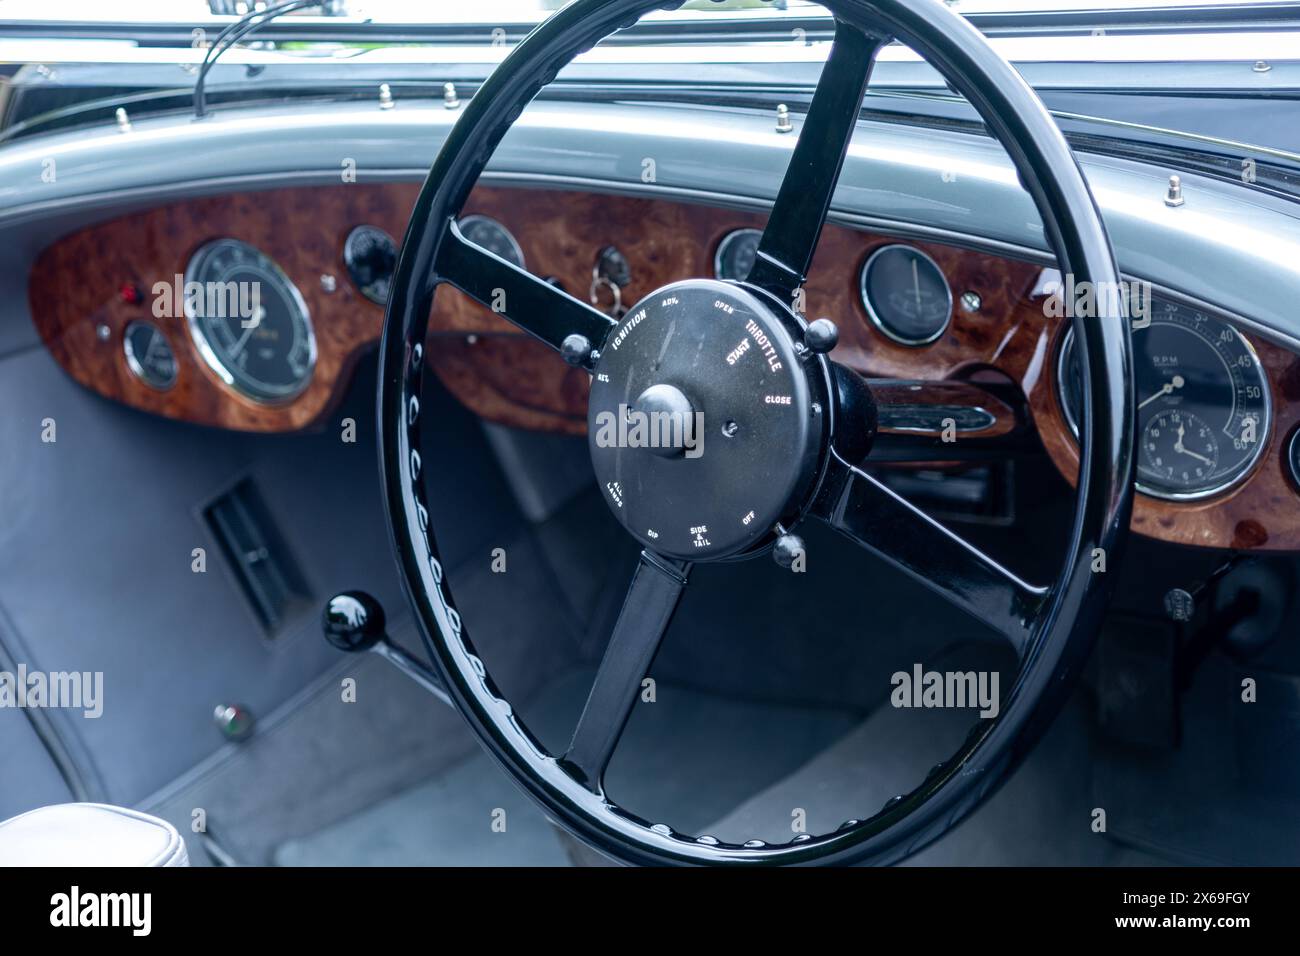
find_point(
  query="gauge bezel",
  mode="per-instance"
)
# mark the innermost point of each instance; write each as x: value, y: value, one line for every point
x: 725, y: 243
x: 1292, y: 459
x: 877, y: 321
x: 137, y: 367
x: 208, y: 353
x: 349, y: 256
x: 514, y: 243
x: 1248, y: 466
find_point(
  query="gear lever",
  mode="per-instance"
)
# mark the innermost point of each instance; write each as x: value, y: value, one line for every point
x: 354, y: 622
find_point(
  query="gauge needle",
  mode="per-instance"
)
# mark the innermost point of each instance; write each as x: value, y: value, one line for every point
x: 916, y: 284
x: 248, y: 331
x: 1178, y: 447
x: 1167, y: 388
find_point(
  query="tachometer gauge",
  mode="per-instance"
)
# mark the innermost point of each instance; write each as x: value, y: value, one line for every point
x: 148, y: 355
x: 906, y: 295
x: 492, y: 236
x: 1204, y: 412
x: 248, y: 321
x: 736, y: 254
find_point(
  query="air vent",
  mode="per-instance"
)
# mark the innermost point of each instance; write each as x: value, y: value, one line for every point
x: 258, y: 557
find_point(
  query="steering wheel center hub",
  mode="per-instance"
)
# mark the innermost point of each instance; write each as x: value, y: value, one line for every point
x: 703, y: 423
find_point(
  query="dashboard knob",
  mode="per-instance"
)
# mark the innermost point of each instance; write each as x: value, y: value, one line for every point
x: 353, y: 621
x: 575, y: 349
x: 787, y: 550
x: 1180, y: 604
x: 821, y: 336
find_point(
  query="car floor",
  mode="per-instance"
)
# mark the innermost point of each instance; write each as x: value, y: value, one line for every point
x: 688, y: 759
x: 745, y: 770
x: 771, y: 689
x: 395, y: 777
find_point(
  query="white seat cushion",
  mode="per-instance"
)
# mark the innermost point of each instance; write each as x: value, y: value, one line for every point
x: 89, y: 834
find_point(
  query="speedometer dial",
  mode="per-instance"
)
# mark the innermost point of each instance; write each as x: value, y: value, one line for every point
x: 248, y: 321
x: 1203, y: 402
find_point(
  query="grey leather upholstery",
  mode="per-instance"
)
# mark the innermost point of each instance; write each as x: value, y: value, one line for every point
x: 89, y: 834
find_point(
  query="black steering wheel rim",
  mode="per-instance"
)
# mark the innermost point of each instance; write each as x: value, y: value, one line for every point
x: 1065, y: 624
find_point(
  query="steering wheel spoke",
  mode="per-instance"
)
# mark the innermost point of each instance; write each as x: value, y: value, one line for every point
x: 647, y: 611
x: 862, y: 508
x: 794, y: 227
x: 539, y: 308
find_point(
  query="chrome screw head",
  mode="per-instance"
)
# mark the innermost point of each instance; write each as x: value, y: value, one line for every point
x: 1174, y: 197
x: 783, y: 123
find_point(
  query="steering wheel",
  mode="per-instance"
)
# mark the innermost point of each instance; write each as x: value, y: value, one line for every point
x: 786, y: 462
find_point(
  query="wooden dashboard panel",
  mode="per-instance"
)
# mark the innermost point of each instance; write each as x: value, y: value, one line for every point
x: 504, y: 376
x: 75, y: 289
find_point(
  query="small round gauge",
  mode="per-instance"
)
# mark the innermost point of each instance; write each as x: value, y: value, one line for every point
x: 906, y: 295
x: 1293, y: 458
x: 1203, y: 404
x: 1180, y: 447
x: 248, y: 321
x: 149, y: 356
x: 736, y: 254
x: 493, y: 237
x: 370, y: 255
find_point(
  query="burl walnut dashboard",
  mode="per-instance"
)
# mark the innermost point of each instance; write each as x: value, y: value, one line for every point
x: 114, y: 303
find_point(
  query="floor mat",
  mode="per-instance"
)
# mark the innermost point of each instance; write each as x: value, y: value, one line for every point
x: 1042, y: 816
x: 472, y: 815
x: 685, y: 759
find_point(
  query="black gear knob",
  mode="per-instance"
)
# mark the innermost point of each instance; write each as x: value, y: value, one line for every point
x: 353, y: 621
